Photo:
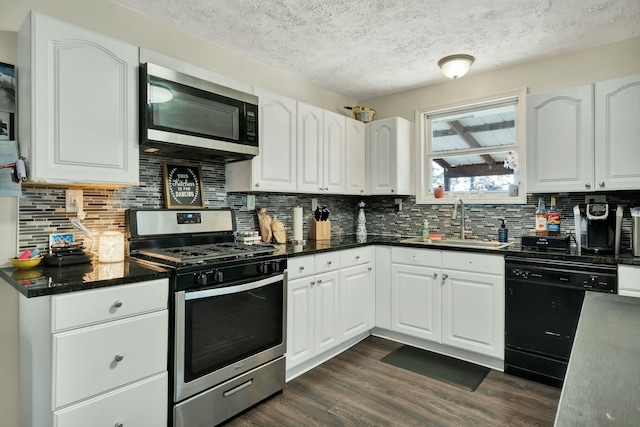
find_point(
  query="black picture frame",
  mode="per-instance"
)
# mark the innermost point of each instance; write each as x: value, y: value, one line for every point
x: 7, y: 88
x: 182, y: 185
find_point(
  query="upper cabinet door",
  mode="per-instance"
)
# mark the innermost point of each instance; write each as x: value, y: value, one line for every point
x: 275, y: 166
x: 78, y: 104
x: 334, y: 152
x: 560, y: 140
x: 389, y: 156
x: 355, y: 157
x: 310, y: 144
x: 617, y: 136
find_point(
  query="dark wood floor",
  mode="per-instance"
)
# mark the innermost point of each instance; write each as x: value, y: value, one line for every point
x: 356, y: 389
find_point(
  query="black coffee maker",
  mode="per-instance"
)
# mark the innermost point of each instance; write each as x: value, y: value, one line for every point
x: 600, y: 228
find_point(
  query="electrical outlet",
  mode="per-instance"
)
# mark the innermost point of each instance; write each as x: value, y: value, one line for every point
x: 251, y: 202
x: 73, y: 200
x: 398, y: 204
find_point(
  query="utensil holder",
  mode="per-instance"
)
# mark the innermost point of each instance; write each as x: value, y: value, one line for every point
x: 320, y: 230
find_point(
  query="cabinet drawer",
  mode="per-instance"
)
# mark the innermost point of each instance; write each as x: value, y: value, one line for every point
x: 629, y: 281
x: 327, y: 262
x: 85, y: 360
x: 411, y: 256
x: 100, y: 305
x: 479, y: 263
x: 141, y: 404
x: 300, y: 267
x: 351, y: 257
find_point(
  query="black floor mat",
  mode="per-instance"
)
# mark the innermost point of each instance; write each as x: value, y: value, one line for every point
x: 443, y: 368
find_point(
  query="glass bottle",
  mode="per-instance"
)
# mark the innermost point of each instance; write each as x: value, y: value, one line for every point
x: 541, y: 219
x: 553, y: 219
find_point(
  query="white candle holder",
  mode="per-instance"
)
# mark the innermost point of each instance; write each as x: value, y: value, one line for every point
x: 111, y: 247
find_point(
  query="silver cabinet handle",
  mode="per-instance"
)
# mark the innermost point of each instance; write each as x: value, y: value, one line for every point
x: 301, y: 267
x: 119, y: 358
x: 587, y: 186
x: 435, y: 276
x: 601, y: 184
x: 319, y: 281
x: 117, y: 304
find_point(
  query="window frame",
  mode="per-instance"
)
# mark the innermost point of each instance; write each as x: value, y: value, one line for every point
x: 424, y: 195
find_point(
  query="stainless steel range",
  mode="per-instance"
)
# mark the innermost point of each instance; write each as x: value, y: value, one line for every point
x: 228, y: 311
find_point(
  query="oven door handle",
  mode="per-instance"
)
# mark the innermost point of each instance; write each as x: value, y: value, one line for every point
x: 233, y: 289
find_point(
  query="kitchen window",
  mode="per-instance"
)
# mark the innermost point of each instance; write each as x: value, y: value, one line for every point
x: 475, y: 151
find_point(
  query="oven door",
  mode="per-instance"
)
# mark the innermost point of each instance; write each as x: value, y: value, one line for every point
x: 223, y: 332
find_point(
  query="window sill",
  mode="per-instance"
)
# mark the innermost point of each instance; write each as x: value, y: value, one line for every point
x: 474, y: 199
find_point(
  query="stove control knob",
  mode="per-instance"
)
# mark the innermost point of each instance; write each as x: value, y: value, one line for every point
x: 202, y: 279
x: 275, y: 266
x: 591, y: 282
x: 218, y: 277
x: 264, y: 268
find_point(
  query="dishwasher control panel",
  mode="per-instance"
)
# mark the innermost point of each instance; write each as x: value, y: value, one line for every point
x: 601, y: 278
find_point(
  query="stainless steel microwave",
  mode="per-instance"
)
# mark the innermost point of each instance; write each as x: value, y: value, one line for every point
x: 188, y: 117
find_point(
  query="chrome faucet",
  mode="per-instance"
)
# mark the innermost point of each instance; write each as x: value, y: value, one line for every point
x: 454, y: 214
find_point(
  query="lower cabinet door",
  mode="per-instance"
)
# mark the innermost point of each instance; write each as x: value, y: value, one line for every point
x: 141, y: 404
x: 356, y: 299
x: 92, y: 360
x: 415, y: 301
x: 473, y: 312
x: 299, y: 321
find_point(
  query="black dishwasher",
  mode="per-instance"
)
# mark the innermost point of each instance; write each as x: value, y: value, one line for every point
x: 543, y: 300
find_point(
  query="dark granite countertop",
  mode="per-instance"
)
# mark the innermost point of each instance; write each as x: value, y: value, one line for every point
x: 349, y: 241
x: 41, y: 280
x: 602, y: 386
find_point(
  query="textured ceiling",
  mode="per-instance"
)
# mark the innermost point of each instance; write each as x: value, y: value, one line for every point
x: 368, y: 48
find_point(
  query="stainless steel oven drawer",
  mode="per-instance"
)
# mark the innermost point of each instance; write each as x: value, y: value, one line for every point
x: 222, y: 402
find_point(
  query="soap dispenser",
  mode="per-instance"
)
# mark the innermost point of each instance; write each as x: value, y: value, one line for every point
x: 503, y: 233
x: 425, y: 231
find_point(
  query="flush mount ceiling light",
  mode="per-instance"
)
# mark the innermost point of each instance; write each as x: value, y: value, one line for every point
x: 455, y: 66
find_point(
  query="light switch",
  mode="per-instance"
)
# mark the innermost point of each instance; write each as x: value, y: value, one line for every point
x: 251, y: 202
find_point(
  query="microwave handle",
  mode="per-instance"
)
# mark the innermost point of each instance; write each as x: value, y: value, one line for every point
x: 233, y: 289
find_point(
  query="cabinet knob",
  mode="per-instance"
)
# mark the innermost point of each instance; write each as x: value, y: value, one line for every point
x: 392, y: 190
x: 257, y: 184
x: 118, y: 358
x: 445, y: 277
x: 328, y: 262
x: 435, y: 275
x: 370, y: 268
x: 319, y: 281
x: 117, y: 304
x: 587, y: 186
x: 301, y: 267
x: 118, y: 425
x: 357, y: 256
x: 313, y: 282
x: 601, y: 184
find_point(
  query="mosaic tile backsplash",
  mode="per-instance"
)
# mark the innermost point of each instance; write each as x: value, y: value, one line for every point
x: 42, y: 209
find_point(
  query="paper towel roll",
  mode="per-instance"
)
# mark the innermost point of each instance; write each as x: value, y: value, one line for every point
x: 297, y: 224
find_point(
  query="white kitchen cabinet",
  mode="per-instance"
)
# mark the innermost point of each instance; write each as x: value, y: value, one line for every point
x: 415, y: 301
x: 584, y: 138
x: 274, y: 169
x: 321, y: 150
x: 78, y: 109
x: 629, y: 280
x: 560, y: 140
x: 90, y: 354
x: 355, y: 157
x: 449, y: 297
x: 357, y: 292
x: 312, y: 317
x: 617, y: 128
x: 389, y: 157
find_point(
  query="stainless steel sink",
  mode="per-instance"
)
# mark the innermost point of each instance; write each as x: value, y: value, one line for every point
x: 466, y: 243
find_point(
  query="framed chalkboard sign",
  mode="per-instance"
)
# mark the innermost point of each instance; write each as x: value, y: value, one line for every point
x: 182, y: 185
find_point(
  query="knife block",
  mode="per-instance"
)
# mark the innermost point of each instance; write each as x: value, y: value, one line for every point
x: 320, y: 230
